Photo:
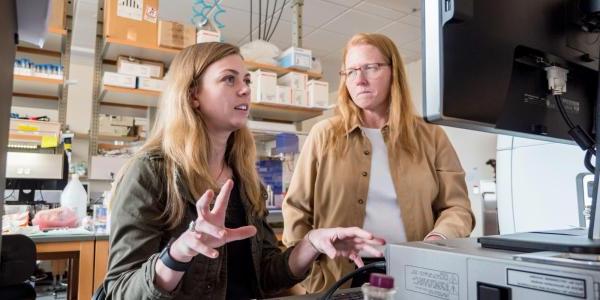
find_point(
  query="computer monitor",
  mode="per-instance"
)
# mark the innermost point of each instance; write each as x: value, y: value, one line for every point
x: 28, y: 172
x: 485, y: 68
x: 485, y: 65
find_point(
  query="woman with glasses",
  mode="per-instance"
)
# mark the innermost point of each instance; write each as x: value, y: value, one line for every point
x: 172, y: 235
x: 375, y: 165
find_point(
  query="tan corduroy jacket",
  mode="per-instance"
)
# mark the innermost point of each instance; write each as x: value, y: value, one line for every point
x: 329, y: 191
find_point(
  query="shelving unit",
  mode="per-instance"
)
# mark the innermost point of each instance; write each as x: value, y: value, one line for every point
x: 251, y: 65
x: 31, y: 131
x: 37, y: 87
x: 128, y: 96
x: 283, y: 112
x: 113, y: 48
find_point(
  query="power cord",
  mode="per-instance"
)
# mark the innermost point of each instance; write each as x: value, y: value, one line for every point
x: 380, y: 265
x: 557, y: 83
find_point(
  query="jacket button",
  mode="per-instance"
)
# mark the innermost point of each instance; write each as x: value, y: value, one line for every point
x: 367, y: 152
x: 209, y: 286
x: 364, y: 174
x: 361, y: 201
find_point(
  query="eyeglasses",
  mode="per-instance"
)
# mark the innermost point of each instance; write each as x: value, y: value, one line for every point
x: 369, y: 70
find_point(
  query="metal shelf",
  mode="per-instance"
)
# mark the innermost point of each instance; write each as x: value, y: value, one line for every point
x: 283, y: 112
x: 127, y: 96
x: 36, y: 87
x: 251, y: 65
x: 113, y: 48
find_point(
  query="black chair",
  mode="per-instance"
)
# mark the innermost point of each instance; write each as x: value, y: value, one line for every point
x: 17, y: 264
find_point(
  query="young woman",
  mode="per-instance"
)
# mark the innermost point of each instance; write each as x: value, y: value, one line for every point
x: 165, y: 243
x: 376, y: 165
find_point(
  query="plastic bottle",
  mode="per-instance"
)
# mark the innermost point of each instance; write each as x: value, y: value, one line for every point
x: 74, y: 197
x: 379, y: 287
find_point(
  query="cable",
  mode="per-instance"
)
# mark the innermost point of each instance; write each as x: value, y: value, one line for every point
x: 9, y: 196
x: 563, y: 112
x: 265, y: 33
x: 380, y: 265
x: 259, y: 19
x: 580, y: 136
x: 251, y: 20
x: 278, y: 18
x: 593, y: 230
x: 271, y: 19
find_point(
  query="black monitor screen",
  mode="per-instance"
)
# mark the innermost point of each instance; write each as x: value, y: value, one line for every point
x: 484, y: 66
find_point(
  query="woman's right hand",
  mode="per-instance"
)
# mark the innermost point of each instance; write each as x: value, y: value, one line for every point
x: 209, y: 232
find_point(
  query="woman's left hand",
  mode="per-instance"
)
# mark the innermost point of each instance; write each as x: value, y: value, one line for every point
x: 345, y: 242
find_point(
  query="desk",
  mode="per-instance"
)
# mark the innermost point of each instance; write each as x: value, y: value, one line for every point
x: 79, y: 250
x: 87, y: 255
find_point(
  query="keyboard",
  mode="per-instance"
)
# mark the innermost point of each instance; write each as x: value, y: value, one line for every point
x: 349, y: 295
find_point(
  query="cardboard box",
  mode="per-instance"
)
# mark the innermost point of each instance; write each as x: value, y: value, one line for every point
x: 264, y: 86
x: 318, y: 93
x: 299, y: 97
x: 151, y: 84
x: 295, y: 58
x: 175, y: 35
x: 295, y: 80
x: 141, y: 68
x: 284, y: 94
x: 56, y: 19
x: 125, y: 20
x: 120, y: 80
x: 106, y: 167
x: 106, y: 120
x: 156, y: 68
x: 206, y: 36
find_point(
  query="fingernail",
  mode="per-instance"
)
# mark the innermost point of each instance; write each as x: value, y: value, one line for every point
x: 222, y: 233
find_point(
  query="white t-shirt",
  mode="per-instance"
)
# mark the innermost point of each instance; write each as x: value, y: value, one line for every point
x: 383, y: 217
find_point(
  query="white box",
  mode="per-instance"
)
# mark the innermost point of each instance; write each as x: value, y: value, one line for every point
x: 140, y: 68
x: 264, y: 86
x: 299, y: 97
x: 318, y: 93
x: 284, y: 94
x: 120, y: 80
x: 295, y: 80
x: 121, y: 121
x: 151, y: 84
x: 106, y: 168
x: 206, y: 36
x: 297, y: 58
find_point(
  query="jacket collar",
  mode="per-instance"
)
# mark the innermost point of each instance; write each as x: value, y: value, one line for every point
x: 355, y: 125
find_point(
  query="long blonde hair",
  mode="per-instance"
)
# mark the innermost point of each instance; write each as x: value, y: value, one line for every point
x: 401, y: 113
x: 180, y: 134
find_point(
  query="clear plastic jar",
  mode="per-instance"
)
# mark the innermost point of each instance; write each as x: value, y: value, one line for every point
x: 379, y: 287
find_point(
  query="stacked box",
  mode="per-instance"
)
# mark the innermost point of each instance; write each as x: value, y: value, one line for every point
x: 175, y: 35
x: 264, y: 86
x: 318, y: 93
x: 294, y: 57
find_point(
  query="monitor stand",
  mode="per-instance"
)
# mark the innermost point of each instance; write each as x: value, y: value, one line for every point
x: 574, y: 240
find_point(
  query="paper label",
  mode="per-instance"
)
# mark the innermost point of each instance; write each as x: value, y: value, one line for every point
x: 567, y: 286
x: 130, y: 9
x: 439, y: 284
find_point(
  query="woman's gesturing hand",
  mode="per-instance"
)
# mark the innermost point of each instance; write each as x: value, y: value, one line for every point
x: 208, y: 231
x: 346, y: 242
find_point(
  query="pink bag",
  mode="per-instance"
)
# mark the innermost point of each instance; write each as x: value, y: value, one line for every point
x: 55, y: 218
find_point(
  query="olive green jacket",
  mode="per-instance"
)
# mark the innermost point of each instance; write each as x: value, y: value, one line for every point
x: 137, y: 235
